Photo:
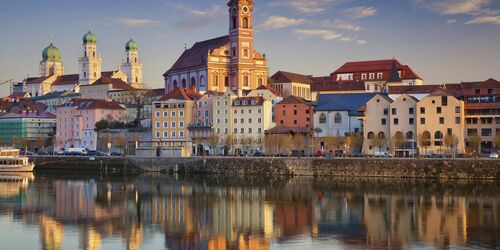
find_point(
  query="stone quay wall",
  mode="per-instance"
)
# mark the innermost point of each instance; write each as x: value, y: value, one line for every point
x: 267, y: 167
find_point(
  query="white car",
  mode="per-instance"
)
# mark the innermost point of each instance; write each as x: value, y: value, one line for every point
x: 494, y: 155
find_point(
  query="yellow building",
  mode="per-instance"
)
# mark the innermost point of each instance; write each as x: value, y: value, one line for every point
x: 227, y: 62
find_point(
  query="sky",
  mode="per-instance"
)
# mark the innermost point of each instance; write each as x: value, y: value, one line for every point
x: 442, y: 40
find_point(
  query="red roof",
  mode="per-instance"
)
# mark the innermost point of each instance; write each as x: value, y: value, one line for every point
x: 67, y: 80
x: 28, y: 105
x: 338, y: 86
x: 115, y: 83
x: 266, y: 87
x: 294, y: 100
x: 83, y: 104
x: 377, y: 65
x: 179, y: 93
x: 156, y: 92
x: 283, y: 76
x: 490, y: 83
x: 36, y: 80
x: 24, y: 114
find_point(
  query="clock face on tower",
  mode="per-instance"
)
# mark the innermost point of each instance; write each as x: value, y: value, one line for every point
x: 245, y: 9
x: 235, y: 10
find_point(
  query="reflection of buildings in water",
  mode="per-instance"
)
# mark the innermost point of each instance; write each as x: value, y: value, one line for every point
x: 293, y: 219
x: 388, y: 220
x: 89, y: 238
x: 442, y: 220
x: 13, y: 189
x: 483, y: 221
x: 76, y: 200
x: 51, y: 233
x: 134, y: 237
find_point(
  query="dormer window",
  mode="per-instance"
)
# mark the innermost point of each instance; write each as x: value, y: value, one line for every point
x: 237, y: 103
x: 245, y: 102
x: 254, y: 102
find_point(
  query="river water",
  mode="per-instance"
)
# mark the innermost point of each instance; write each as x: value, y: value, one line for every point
x: 81, y: 211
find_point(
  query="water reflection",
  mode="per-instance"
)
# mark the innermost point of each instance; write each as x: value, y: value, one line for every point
x: 169, y: 212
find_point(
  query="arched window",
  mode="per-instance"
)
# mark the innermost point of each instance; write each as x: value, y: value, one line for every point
x: 245, y: 22
x: 202, y: 81
x: 438, y: 138
x: 193, y: 81
x: 95, y: 74
x: 136, y: 59
x: 371, y: 135
x: 322, y: 119
x: 175, y: 83
x: 93, y: 53
x: 399, y: 135
x: 234, y: 23
x: 184, y: 83
x: 338, y: 118
x: 381, y: 135
x: 409, y: 135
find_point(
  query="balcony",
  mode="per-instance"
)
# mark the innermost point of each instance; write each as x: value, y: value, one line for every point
x: 202, y: 125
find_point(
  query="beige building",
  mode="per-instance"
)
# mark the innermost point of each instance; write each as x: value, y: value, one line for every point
x: 403, y: 126
x: 252, y: 116
x: 376, y: 121
x: 438, y: 115
x: 172, y: 115
x: 287, y: 83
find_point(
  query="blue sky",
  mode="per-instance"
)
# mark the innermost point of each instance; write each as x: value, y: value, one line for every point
x: 442, y: 40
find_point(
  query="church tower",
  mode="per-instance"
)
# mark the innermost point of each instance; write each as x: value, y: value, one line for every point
x: 51, y: 63
x: 241, y: 42
x: 133, y: 67
x: 90, y: 62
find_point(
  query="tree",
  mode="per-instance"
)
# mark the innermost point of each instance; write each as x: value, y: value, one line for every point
x: 139, y: 99
x: 354, y: 142
x: 474, y: 142
x: 40, y: 143
x: 497, y: 141
x: 317, y: 131
x: 120, y: 141
x: 229, y: 142
x: 451, y: 142
x: 379, y: 141
x: 101, y: 125
x: 213, y: 141
x: 398, y: 141
x: 424, y: 140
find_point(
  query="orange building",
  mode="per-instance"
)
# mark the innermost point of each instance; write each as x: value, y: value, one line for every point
x: 294, y: 112
x: 227, y: 62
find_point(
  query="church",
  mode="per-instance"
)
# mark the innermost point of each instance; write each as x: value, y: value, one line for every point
x: 51, y: 69
x: 224, y: 63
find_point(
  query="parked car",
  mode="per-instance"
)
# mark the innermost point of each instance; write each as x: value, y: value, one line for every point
x: 96, y: 153
x: 76, y: 151
x: 357, y: 154
x: 25, y: 153
x: 494, y: 155
x: 435, y: 156
x: 117, y: 154
x: 382, y: 155
x: 259, y: 154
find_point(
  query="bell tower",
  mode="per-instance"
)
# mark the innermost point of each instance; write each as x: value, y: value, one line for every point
x: 133, y: 67
x: 90, y: 62
x: 241, y: 42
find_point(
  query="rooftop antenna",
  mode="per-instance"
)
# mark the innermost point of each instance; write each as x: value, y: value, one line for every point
x: 185, y: 46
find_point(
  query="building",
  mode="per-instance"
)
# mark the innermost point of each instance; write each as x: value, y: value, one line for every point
x: 337, y: 114
x: 287, y: 83
x: 252, y: 116
x: 222, y: 113
x: 294, y: 112
x: 202, y: 128
x: 403, y: 126
x: 172, y: 115
x: 376, y: 122
x: 269, y: 94
x: 227, y: 62
x: 101, y: 88
x: 76, y: 121
x: 26, y: 128
x: 133, y: 67
x: 56, y: 98
x: 369, y: 72
x: 439, y: 115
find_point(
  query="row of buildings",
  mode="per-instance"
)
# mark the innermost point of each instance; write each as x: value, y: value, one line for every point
x: 219, y: 99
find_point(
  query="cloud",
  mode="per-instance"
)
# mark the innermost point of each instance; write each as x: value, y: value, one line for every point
x: 307, y: 6
x: 198, y: 18
x: 280, y: 22
x: 342, y: 25
x: 130, y: 22
x: 327, y: 35
x: 454, y: 7
x: 451, y: 21
x: 485, y: 19
x: 361, y: 12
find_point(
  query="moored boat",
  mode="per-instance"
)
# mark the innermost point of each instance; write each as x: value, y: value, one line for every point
x: 11, y: 161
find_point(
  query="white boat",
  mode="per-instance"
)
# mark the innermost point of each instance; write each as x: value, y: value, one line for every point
x: 11, y: 161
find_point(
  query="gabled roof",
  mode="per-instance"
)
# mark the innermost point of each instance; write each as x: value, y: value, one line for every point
x: 197, y: 55
x: 376, y: 65
x: 115, y: 83
x: 283, y: 76
x: 28, y: 105
x: 269, y: 88
x: 179, y: 93
x: 30, y: 114
x: 294, y: 100
x: 86, y: 104
x: 338, y: 86
x: 67, y: 80
x: 35, y: 80
x: 259, y: 100
x: 156, y: 92
x: 386, y: 97
x: 343, y: 102
x: 490, y: 83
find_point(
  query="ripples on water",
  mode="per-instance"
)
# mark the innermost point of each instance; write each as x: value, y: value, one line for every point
x: 53, y: 211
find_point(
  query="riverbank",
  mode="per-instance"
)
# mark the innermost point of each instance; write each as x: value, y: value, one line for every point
x: 483, y: 169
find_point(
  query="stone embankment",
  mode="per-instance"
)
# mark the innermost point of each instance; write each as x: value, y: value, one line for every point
x: 267, y: 167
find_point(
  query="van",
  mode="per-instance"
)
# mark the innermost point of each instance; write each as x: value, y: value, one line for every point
x: 76, y: 151
x: 382, y: 155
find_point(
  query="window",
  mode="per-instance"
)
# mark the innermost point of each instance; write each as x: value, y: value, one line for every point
x: 458, y: 120
x: 216, y: 80
x: 165, y: 125
x: 338, y: 118
x: 175, y: 83
x: 411, y: 111
x: 379, y: 75
x: 235, y: 121
x: 157, y: 114
x: 181, y: 113
x: 181, y: 124
x: 486, y: 132
x: 394, y: 111
x: 249, y: 120
x: 234, y: 23
x: 235, y: 130
x: 246, y: 81
x: 242, y: 130
x: 396, y: 121
x: 157, y: 134
x: 322, y: 119
x: 259, y: 130
x: 172, y: 114
x: 444, y: 100
x: 295, y: 112
x: 173, y: 125
x: 384, y: 122
x: 226, y: 81
x: 206, y: 112
x: 165, y: 134
x: 477, y: 91
x: 249, y: 130
x: 381, y: 135
x: 386, y: 111
x: 202, y: 81
x: 181, y: 134
x: 422, y: 110
x: 165, y: 114
x: 173, y: 134
x: 471, y: 132
x: 490, y: 91
x: 184, y: 83
x: 245, y: 52
x: 457, y: 110
x: 259, y: 120
x: 409, y: 135
x: 363, y: 76
x: 411, y: 121
x: 372, y: 76
x: 422, y: 121
x: 157, y: 125
x: 438, y: 138
x: 242, y: 121
x: 441, y: 120
x: 438, y: 110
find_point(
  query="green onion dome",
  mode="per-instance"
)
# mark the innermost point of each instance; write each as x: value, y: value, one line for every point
x: 89, y: 38
x: 51, y: 53
x: 131, y: 45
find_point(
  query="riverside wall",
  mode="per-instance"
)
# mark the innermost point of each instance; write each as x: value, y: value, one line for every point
x: 268, y: 167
